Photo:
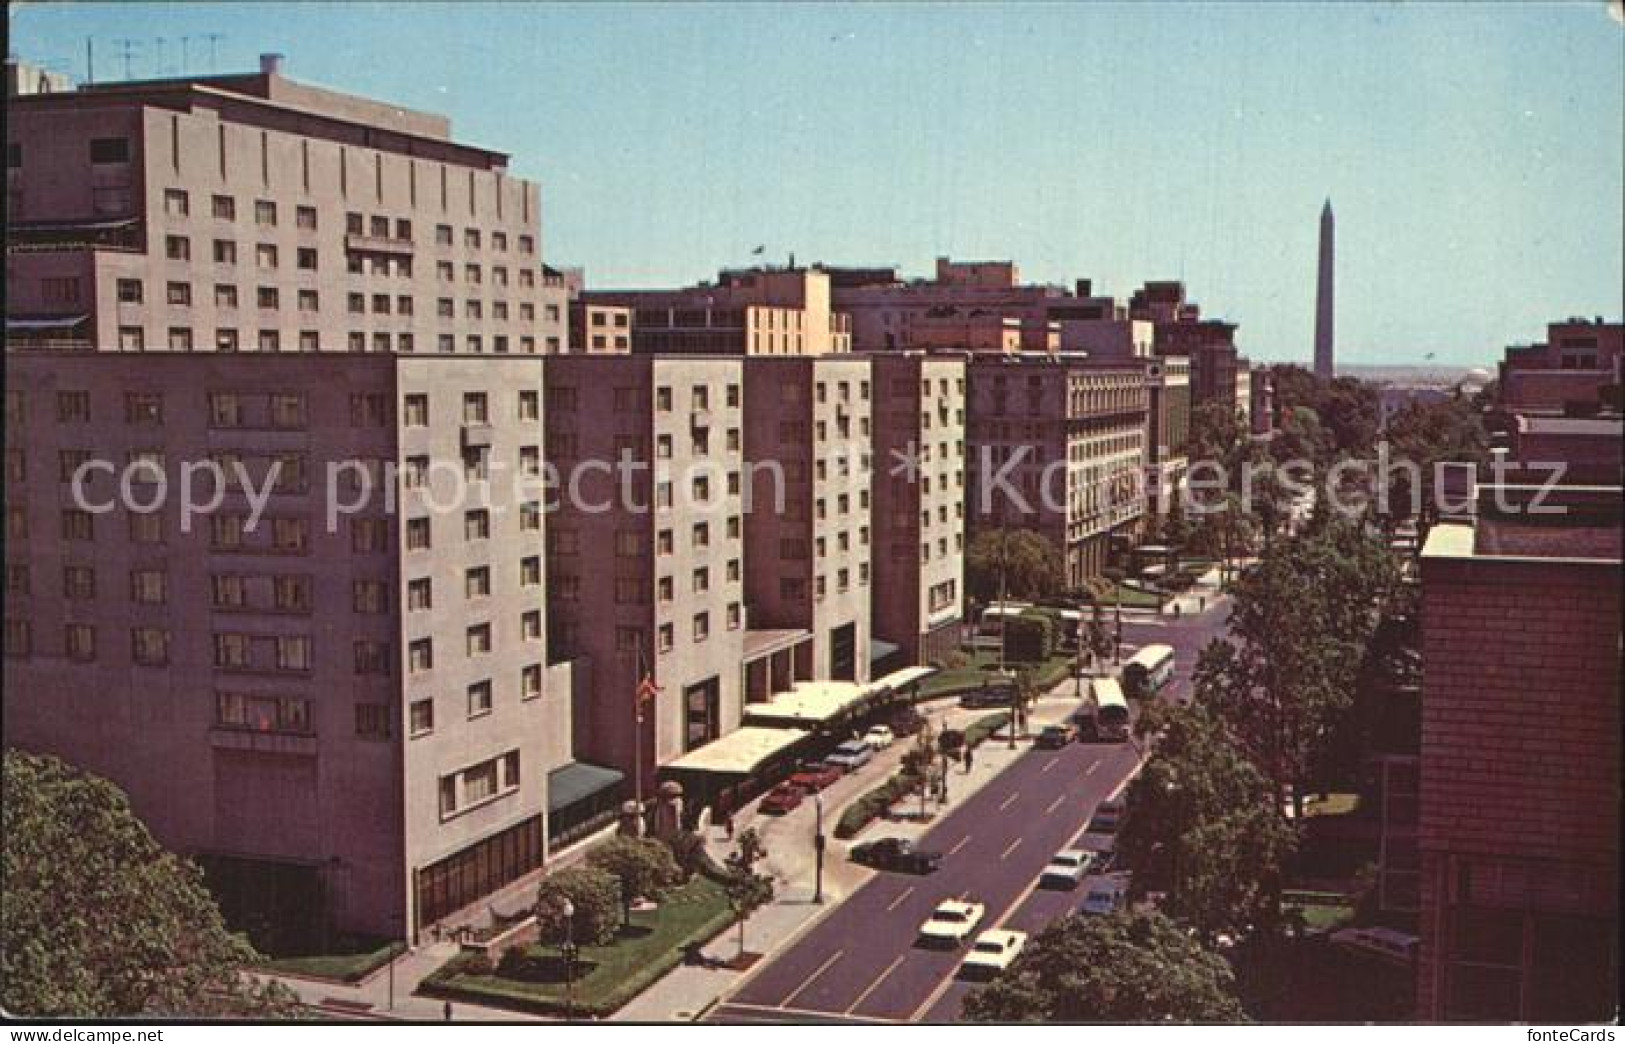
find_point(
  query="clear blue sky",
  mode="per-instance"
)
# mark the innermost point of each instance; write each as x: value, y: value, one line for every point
x: 1473, y: 151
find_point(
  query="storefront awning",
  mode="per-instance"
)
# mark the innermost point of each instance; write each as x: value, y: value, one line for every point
x: 738, y: 753
x: 577, y: 781
x: 879, y: 649
x: 66, y: 322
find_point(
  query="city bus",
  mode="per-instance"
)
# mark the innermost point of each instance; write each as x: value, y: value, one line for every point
x: 1111, y: 710
x: 991, y: 626
x: 1148, y: 670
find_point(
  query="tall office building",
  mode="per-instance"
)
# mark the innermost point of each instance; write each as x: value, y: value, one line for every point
x: 1325, y: 368
x: 351, y: 724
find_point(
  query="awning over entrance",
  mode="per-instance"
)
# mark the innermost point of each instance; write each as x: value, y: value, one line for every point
x: 577, y: 781
x: 902, y: 679
x: 879, y: 649
x: 65, y: 322
x: 811, y: 704
x: 738, y: 753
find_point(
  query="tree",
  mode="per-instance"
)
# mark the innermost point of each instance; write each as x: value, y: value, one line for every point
x: 595, y: 897
x: 1421, y: 437
x: 1217, y: 435
x: 747, y: 889
x: 643, y: 866
x: 1138, y: 967
x: 1298, y: 629
x: 100, y: 921
x: 1031, y: 565
x: 1029, y: 638
x: 1202, y: 826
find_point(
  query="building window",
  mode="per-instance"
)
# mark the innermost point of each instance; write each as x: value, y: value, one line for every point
x: 421, y: 717
x: 478, y: 639
x: 78, y: 524
x: 415, y: 413
x: 371, y: 657
x: 264, y: 212
x: 530, y: 625
x: 149, y: 586
x: 530, y: 571
x: 305, y: 218
x: 420, y: 655
x: 372, y: 720
x: 78, y: 583
x: 149, y: 646
x: 479, y: 699
x: 129, y: 291
x: 79, y: 642
x: 420, y: 594
x: 177, y: 248
x: 530, y: 687
x: 477, y: 524
x: 477, y: 582
x: 417, y: 534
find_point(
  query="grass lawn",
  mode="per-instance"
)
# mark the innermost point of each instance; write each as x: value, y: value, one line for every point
x: 1130, y: 598
x: 606, y: 976
x: 1325, y: 918
x: 350, y: 964
x: 954, y: 681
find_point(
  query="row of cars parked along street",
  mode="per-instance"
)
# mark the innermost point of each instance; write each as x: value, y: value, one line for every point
x: 813, y: 776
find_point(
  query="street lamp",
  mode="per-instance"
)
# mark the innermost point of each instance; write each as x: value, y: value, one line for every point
x: 568, y: 951
x: 818, y: 848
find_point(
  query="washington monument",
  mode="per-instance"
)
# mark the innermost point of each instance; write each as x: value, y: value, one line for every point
x: 1323, y: 296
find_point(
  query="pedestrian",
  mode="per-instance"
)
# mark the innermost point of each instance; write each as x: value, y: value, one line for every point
x: 728, y: 825
x: 967, y: 759
x: 1201, y: 603
x: 1176, y: 610
x: 447, y: 1011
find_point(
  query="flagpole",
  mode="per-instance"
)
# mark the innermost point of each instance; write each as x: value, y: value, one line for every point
x: 637, y: 737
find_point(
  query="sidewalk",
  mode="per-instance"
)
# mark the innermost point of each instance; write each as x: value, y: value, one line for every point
x: 687, y: 992
x: 378, y: 998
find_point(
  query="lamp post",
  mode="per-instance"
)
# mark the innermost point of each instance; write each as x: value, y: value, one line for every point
x: 818, y: 848
x: 568, y: 951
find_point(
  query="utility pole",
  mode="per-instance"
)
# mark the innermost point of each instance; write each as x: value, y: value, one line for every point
x: 818, y: 848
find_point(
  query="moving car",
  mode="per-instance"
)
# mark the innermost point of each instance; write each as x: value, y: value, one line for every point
x: 995, y: 950
x: 1106, y: 894
x: 851, y: 755
x: 1066, y: 868
x: 896, y: 854
x: 781, y: 799
x: 1054, y: 737
x: 879, y: 737
x: 952, y: 921
x: 814, y: 776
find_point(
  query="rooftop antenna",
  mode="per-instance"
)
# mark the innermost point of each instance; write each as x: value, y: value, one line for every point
x: 129, y: 51
x: 90, y: 60
x: 158, y: 70
x: 214, y: 39
x: 184, y: 62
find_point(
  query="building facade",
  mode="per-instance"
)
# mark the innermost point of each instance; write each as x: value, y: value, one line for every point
x: 1520, y: 760
x: 1058, y: 446
x: 919, y: 504
x: 761, y: 311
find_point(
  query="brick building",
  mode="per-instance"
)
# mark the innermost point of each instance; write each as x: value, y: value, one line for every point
x: 1520, y: 761
x: 761, y: 311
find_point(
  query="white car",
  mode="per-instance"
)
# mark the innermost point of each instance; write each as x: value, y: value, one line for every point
x: 952, y: 921
x: 1067, y: 868
x: 995, y: 950
x: 880, y: 737
x: 1105, y: 895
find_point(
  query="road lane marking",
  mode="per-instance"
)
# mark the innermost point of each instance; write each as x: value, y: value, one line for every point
x: 1006, y: 853
x: 876, y: 984
x: 962, y: 843
x: 822, y: 968
x: 1049, y: 765
x: 895, y: 903
x: 1091, y: 769
x: 1053, y: 805
x: 803, y: 1012
x: 1009, y: 800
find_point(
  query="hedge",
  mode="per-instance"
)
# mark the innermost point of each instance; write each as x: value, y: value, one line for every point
x: 865, y: 809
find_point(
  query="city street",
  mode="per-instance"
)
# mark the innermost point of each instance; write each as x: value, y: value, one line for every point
x: 860, y: 963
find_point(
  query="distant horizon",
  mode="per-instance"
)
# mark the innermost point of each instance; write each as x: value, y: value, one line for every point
x: 1478, y: 197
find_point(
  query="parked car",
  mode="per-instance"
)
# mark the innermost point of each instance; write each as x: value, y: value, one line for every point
x: 1066, y: 868
x: 1105, y: 894
x: 991, y: 694
x: 952, y: 921
x: 1054, y: 737
x: 896, y: 854
x: 814, y: 776
x: 906, y: 721
x: 879, y: 737
x: 781, y: 799
x: 995, y: 950
x: 1108, y: 816
x: 1102, y: 847
x: 1386, y: 943
x: 851, y: 755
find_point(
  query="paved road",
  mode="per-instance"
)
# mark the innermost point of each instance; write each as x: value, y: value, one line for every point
x: 861, y: 962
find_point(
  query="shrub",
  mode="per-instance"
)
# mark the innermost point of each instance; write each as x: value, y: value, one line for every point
x: 688, y: 848
x: 955, y: 660
x: 985, y: 726
x: 642, y: 867
x: 863, y: 811
x: 475, y: 964
x: 596, y: 897
x: 1030, y: 637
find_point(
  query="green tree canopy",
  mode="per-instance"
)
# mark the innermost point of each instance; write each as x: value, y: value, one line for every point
x: 1031, y: 565
x: 595, y: 897
x: 643, y: 866
x: 1299, y: 625
x: 100, y: 921
x: 747, y: 890
x: 1138, y: 967
x: 1203, y: 827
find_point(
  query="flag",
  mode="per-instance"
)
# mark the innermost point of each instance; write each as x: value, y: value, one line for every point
x: 647, y: 691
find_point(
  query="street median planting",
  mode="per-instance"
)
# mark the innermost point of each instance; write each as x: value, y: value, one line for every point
x: 874, y: 804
